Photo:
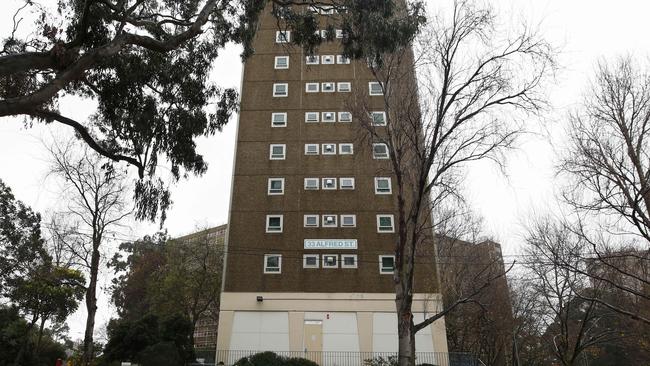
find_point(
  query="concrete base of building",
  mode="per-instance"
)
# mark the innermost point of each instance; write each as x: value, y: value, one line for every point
x: 322, y: 322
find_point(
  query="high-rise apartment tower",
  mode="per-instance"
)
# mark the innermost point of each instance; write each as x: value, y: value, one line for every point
x: 312, y: 219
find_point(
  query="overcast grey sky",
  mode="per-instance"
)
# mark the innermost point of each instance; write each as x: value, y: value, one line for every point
x: 585, y: 30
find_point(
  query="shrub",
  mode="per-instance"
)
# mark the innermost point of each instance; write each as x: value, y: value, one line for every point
x: 381, y: 361
x: 272, y: 359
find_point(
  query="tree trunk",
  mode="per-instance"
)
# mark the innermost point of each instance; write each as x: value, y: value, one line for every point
x: 405, y: 328
x: 23, y: 344
x: 91, y: 308
x: 40, y: 336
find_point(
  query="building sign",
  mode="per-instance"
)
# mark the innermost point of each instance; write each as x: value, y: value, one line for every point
x: 330, y: 243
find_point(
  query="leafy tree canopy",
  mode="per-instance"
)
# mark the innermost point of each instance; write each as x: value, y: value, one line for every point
x: 146, y: 64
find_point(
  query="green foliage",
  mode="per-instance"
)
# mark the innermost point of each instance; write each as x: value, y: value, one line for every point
x: 381, y: 361
x: 138, y: 340
x: 272, y: 359
x: 21, y: 245
x: 161, y: 354
x: 15, y: 331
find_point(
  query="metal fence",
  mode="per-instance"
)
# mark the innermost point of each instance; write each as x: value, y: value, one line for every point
x: 325, y: 358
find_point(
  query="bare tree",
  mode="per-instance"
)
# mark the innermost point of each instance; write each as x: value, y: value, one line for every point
x: 472, y: 83
x: 608, y: 166
x: 96, y: 203
x: 573, y: 324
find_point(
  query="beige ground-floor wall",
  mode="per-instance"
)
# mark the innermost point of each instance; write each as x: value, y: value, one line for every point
x: 339, y: 322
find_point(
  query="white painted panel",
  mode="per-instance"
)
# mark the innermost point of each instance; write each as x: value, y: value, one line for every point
x: 273, y: 322
x: 423, y: 342
x: 384, y: 332
x: 384, y: 342
x: 341, y: 323
x: 418, y: 318
x: 260, y: 331
x: 340, y: 332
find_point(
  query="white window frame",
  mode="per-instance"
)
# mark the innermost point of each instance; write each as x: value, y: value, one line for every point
x: 324, y: 180
x: 277, y: 66
x: 339, y: 33
x: 277, y: 94
x: 269, y: 187
x: 282, y: 36
x: 345, y: 120
x: 335, y: 224
x: 307, y: 114
x: 382, y: 114
x: 312, y: 60
x: 273, y: 231
x: 304, y: 261
x: 324, y: 150
x: 317, y: 187
x: 283, y: 114
x: 325, y: 119
x: 354, y: 220
x: 356, y: 262
x: 390, y: 185
x: 370, y: 88
x: 305, y: 217
x: 311, y: 87
x: 374, y: 154
x: 307, y: 149
x: 267, y: 268
x: 350, y: 145
x: 336, y: 258
x: 381, y: 264
x: 328, y: 84
x: 344, y: 87
x: 342, y: 60
x: 346, y: 187
x: 284, y: 152
x: 323, y: 33
x: 327, y: 59
x: 392, y: 220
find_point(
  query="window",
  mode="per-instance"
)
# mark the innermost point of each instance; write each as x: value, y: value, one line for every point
x: 345, y: 117
x: 375, y: 88
x: 310, y: 261
x: 328, y: 87
x: 323, y: 33
x: 278, y: 119
x: 276, y: 186
x: 379, y: 151
x: 346, y: 149
x: 329, y: 183
x: 348, y: 220
x: 281, y: 62
x: 382, y: 185
x: 339, y: 33
x: 348, y: 261
x: 311, y: 183
x: 312, y: 59
x: 329, y: 149
x: 282, y: 36
x: 347, y: 183
x: 280, y: 90
x: 272, y: 263
x: 311, y: 149
x: 386, y: 264
x: 344, y: 87
x: 378, y: 118
x: 311, y: 87
x: 329, y: 116
x: 385, y: 224
x: 340, y: 59
x: 329, y: 221
x: 277, y: 151
x: 330, y: 261
x: 311, y: 117
x: 311, y: 220
x: 327, y: 59
x: 273, y: 223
